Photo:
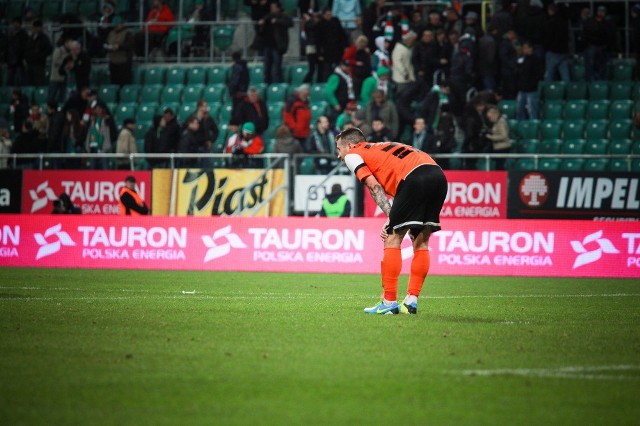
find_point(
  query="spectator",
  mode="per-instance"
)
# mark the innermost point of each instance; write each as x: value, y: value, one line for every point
x: 73, y: 134
x: 131, y: 203
x: 159, y: 20
x: 556, y: 44
x: 201, y: 31
x: 452, y: 22
x: 16, y: 43
x: 311, y: 46
x: 488, y: 58
x: 346, y: 11
x: 38, y: 47
x: 373, y: 18
x: 322, y: 141
x: 78, y: 63
x: 81, y: 101
x: 434, y: 22
x: 471, y: 25
x: 19, y: 108
x: 107, y: 22
x: 64, y: 205
x: 416, y: 23
x: 101, y: 134
x: 238, y: 82
x: 498, y: 134
x: 26, y: 143
x: 331, y: 41
x: 403, y: 76
x: 384, y: 109
x: 634, y: 37
x: 347, y: 115
x: 339, y: 89
x: 58, y: 76
x: 126, y: 143
x: 419, y: 135
x: 274, y: 31
x: 359, y: 57
x: 424, y: 57
x: 599, y: 37
x: 244, y: 144
x: 529, y: 72
x: 286, y: 143
x: 380, y: 132
x: 151, y: 146
x: 119, y: 49
x: 379, y: 80
x: 56, y: 121
x: 259, y: 9
x: 254, y: 110
x: 433, y: 104
x: 5, y: 146
x: 297, y: 114
x: 508, y: 51
x: 473, y: 127
x: 381, y: 56
x: 189, y: 141
x: 40, y: 124
x: 169, y: 133
x: 445, y: 53
x: 336, y: 203
x: 503, y: 19
x: 462, y: 75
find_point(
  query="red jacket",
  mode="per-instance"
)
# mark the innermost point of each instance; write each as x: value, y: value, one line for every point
x: 296, y: 115
x: 163, y: 15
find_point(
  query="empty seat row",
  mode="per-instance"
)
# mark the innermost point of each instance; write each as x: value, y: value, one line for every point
x: 595, y: 90
x: 573, y: 129
x: 577, y: 164
x: 578, y: 146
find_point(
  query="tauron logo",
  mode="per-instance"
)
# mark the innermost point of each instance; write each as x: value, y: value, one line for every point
x: 48, y: 248
x: 601, y: 245
x: 534, y: 189
x: 215, y: 251
x: 38, y: 201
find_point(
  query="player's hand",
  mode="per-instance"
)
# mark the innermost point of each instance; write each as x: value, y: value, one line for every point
x: 383, y: 231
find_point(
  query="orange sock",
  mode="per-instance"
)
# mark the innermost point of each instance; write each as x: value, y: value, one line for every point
x: 391, y: 267
x: 419, y: 270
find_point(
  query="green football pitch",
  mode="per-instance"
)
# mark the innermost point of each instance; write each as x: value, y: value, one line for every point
x: 103, y: 347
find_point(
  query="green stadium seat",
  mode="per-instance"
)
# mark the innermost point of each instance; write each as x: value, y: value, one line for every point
x: 140, y: 130
x: 173, y: 106
x: 576, y: 109
x: 217, y: 74
x: 108, y: 93
x: 268, y: 145
x: 297, y: 73
x: 111, y: 106
x: 553, y: 110
x: 577, y: 71
x: 138, y: 75
x: 636, y: 92
x: 154, y: 75
x: 225, y: 112
x: 524, y: 164
x: 256, y: 74
x: 620, y: 129
x: 596, y: 147
x: 275, y: 110
x: 528, y: 129
x: 596, y: 165
x: 573, y: 129
x: 40, y: 95
x: 215, y: 93
x: 551, y: 90
x: 549, y: 164
x: 596, y: 129
x: 150, y: 93
x: 88, y: 9
x: 146, y: 112
x: 176, y: 76
x: 621, y: 90
x: 126, y: 110
x: 622, y: 70
x: 171, y: 94
x: 196, y: 75
x: 573, y: 146
x: 598, y: 90
x: 192, y: 93
x: 317, y: 92
x: 635, y: 146
x: 223, y: 37
x: 598, y: 110
x: 318, y: 109
x: 527, y: 146
x: 576, y: 90
x: 130, y: 93
x: 185, y: 111
x: 621, y: 109
x: 51, y: 10
x: 618, y: 165
x: 620, y: 147
x: 550, y: 129
x: 277, y: 92
x: 307, y: 166
x: 513, y: 128
x: 550, y: 146
x: 507, y: 107
x: 572, y: 164
x: 28, y: 91
x: 485, y: 164
x: 635, y: 165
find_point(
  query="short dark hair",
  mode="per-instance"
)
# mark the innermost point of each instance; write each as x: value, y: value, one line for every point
x: 130, y: 178
x: 351, y: 135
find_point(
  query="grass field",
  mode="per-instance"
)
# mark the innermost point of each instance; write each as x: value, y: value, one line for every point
x: 91, y: 347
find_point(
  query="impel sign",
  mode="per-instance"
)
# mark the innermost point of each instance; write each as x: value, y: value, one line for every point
x: 463, y: 247
x: 469, y: 195
x: 95, y: 192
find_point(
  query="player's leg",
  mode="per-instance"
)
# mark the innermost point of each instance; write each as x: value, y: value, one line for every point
x: 419, y: 270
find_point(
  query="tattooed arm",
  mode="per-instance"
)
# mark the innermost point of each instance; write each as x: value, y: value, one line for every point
x: 378, y: 194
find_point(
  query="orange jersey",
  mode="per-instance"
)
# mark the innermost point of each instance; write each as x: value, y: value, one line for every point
x: 388, y: 162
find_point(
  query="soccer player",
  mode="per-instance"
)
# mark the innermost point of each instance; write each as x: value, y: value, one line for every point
x: 419, y: 188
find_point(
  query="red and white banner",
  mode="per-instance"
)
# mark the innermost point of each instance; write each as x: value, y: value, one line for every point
x: 288, y: 244
x: 95, y: 192
x: 470, y: 194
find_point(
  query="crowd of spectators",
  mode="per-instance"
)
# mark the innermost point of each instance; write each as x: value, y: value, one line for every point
x: 418, y: 75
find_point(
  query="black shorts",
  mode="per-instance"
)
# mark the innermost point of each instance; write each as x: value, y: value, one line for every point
x: 419, y: 200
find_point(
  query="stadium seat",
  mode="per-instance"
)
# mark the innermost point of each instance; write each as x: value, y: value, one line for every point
x: 146, y: 112
x: 317, y: 109
x: 620, y: 129
x: 573, y: 146
x: 620, y: 147
x: 551, y: 90
x: 635, y: 146
x: 225, y: 112
x: 185, y: 111
x: 176, y: 75
x: 573, y: 129
x: 596, y: 147
x: 596, y: 165
x: 598, y: 90
x: 99, y: 75
x: 553, y: 110
x: 277, y: 92
x: 575, y: 109
x: 550, y: 146
x: 297, y: 73
x: 154, y: 75
x: 275, y: 110
x: 621, y: 109
x: 635, y: 165
x: 485, y: 164
x: 635, y: 95
x: 217, y: 74
x: 307, y: 166
x: 215, y: 93
x: 40, y: 95
x: 551, y: 129
x: 618, y: 165
x: 527, y: 146
x: 192, y: 93
x: 140, y: 130
x: 621, y: 90
x: 51, y: 10
x: 256, y: 74
x: 87, y: 9
x: 122, y: 111
x: 196, y: 75
x: 572, y: 164
x: 223, y: 37
x: 622, y: 70
x: 317, y: 92
x: 576, y: 90
x: 596, y: 129
x: 171, y: 94
x: 577, y: 71
x: 129, y: 93
x: 150, y: 93
x: 598, y: 110
x: 549, y: 164
x: 524, y: 164
x: 507, y: 107
x: 108, y: 93
x: 528, y: 129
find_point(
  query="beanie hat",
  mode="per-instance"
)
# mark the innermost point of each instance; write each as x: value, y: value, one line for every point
x: 382, y: 70
x: 404, y: 26
x: 388, y: 27
x: 249, y: 127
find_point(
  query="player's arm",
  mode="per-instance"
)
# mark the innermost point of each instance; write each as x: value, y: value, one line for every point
x: 378, y: 194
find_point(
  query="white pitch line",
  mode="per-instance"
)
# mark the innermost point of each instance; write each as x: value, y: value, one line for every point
x: 573, y: 372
